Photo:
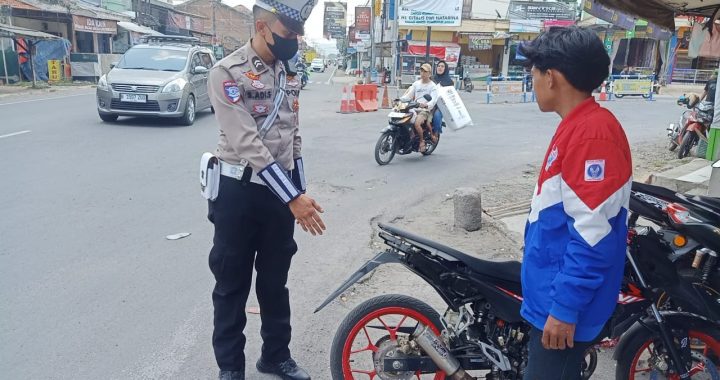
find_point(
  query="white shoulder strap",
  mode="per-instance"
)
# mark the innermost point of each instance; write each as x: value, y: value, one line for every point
x: 279, y: 97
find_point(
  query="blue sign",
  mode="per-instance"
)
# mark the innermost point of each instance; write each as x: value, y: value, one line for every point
x: 391, y: 11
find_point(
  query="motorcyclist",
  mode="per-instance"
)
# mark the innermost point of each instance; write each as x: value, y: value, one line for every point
x: 416, y: 93
x: 442, y: 79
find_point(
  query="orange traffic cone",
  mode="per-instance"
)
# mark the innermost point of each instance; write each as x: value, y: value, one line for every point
x: 352, y: 104
x: 345, y: 103
x: 385, y: 100
x: 603, y: 92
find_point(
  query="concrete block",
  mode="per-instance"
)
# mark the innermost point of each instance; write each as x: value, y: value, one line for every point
x: 692, y: 176
x: 468, y: 208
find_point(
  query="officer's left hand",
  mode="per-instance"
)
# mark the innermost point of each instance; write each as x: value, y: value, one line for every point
x: 307, y: 212
x: 558, y: 334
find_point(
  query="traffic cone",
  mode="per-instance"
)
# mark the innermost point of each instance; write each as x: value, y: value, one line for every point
x: 345, y: 103
x: 603, y: 92
x: 385, y: 100
x: 352, y: 104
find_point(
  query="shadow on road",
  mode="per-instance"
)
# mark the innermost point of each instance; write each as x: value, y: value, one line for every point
x: 158, y: 122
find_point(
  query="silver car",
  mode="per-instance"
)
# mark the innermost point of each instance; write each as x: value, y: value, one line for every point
x: 165, y: 77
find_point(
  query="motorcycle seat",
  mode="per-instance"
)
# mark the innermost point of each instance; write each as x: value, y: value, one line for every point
x: 503, y: 270
x: 711, y: 202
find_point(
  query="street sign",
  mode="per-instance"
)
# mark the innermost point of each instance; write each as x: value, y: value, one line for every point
x: 430, y: 12
x: 54, y: 71
x: 334, y: 25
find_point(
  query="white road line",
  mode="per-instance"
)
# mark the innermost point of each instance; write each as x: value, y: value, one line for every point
x: 43, y: 99
x: 329, y: 81
x: 14, y: 134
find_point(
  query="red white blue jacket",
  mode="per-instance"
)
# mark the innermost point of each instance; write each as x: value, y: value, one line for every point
x: 575, y: 237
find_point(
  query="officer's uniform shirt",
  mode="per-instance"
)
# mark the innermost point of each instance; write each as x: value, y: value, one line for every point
x: 242, y: 90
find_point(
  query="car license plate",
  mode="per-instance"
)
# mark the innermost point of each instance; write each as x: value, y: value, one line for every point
x: 133, y: 98
x: 397, y: 114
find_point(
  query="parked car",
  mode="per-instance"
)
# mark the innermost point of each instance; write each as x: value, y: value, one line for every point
x: 164, y: 77
x: 318, y: 65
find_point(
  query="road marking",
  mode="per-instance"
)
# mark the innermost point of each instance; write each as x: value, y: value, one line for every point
x: 43, y: 99
x: 14, y: 134
x: 332, y: 75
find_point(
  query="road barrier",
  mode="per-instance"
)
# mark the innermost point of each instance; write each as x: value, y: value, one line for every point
x: 509, y: 90
x: 366, y: 97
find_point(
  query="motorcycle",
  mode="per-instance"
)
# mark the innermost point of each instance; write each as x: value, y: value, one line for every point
x: 468, y: 84
x: 692, y: 126
x: 400, y: 337
x: 399, y: 136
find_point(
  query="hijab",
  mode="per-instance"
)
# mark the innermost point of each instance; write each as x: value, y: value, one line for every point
x: 444, y: 79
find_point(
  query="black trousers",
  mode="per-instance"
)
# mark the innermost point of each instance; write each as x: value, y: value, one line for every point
x: 546, y: 364
x: 252, y: 227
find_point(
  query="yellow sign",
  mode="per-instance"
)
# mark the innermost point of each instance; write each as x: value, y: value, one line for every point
x: 632, y: 86
x: 54, y: 71
x: 378, y: 7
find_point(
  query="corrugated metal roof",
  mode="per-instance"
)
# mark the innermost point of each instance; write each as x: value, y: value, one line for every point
x: 76, y: 8
x: 17, y: 4
x: 13, y: 31
x: 663, y: 12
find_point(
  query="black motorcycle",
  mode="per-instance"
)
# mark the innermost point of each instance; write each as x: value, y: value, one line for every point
x: 400, y: 337
x: 399, y: 136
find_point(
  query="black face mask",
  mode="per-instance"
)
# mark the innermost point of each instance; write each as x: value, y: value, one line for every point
x: 284, y: 48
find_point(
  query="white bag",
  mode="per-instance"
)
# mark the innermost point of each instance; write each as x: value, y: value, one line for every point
x: 453, y: 109
x: 209, y: 176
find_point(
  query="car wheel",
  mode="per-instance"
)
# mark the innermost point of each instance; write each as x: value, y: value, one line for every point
x: 212, y: 109
x: 189, y: 117
x: 108, y: 117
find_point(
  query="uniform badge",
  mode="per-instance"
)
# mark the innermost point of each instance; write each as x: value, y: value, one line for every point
x: 261, y: 108
x: 258, y: 64
x: 257, y: 84
x: 296, y: 105
x: 252, y: 76
x: 551, y: 158
x: 293, y: 82
x: 594, y: 170
x: 232, y: 91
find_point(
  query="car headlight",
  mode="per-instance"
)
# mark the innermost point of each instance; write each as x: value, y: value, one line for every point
x: 175, y: 86
x: 102, y: 83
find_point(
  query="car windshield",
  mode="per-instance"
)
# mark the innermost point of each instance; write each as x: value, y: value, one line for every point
x: 317, y: 61
x: 157, y: 59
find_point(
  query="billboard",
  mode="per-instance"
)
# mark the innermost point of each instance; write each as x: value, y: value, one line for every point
x: 430, y: 12
x: 362, y: 19
x: 529, y: 10
x: 610, y: 15
x: 334, y: 20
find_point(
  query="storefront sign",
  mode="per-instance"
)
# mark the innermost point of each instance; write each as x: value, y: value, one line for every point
x: 430, y: 12
x: 657, y: 32
x: 529, y: 10
x: 94, y: 25
x: 335, y: 16
x: 362, y: 19
x: 54, y: 70
x: 452, y: 55
x: 480, y: 41
x: 610, y: 15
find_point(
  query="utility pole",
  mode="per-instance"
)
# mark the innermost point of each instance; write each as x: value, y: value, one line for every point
x: 372, y: 36
x: 214, y: 28
x: 395, y: 40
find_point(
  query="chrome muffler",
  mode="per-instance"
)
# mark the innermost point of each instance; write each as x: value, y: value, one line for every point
x: 439, y: 353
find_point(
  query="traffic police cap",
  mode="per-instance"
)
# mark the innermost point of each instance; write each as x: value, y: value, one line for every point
x: 292, y: 13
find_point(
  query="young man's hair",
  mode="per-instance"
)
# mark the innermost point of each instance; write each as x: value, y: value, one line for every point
x: 576, y: 52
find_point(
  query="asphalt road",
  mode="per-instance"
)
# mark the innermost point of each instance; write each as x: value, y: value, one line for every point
x: 91, y: 288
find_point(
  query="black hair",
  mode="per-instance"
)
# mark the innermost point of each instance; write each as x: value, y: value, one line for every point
x: 576, y: 52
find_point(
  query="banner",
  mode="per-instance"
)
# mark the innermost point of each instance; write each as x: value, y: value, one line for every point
x: 334, y: 25
x: 529, y: 10
x: 610, y: 15
x: 362, y: 19
x: 482, y: 41
x: 657, y: 32
x: 632, y: 86
x: 54, y: 70
x: 452, y: 56
x: 378, y: 7
x: 430, y: 12
x: 94, y: 25
x: 547, y: 24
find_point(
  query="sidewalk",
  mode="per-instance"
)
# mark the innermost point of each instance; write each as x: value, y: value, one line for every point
x: 26, y: 89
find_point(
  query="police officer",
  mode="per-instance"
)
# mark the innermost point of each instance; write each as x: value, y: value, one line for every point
x: 261, y: 190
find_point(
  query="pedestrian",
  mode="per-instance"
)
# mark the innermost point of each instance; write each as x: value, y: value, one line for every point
x: 261, y: 189
x: 441, y: 79
x: 575, y: 238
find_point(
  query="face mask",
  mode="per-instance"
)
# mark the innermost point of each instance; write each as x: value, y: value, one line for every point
x: 284, y: 48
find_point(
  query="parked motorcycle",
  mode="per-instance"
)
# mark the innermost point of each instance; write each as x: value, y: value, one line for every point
x: 468, y: 84
x: 400, y: 337
x: 692, y: 126
x: 399, y: 136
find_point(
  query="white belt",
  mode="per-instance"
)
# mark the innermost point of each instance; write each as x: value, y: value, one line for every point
x: 236, y: 172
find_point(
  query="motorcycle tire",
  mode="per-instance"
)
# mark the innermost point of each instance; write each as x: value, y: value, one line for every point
x: 379, y: 146
x: 368, y: 311
x: 672, y: 145
x: 641, y: 342
x: 687, y: 143
x: 430, y: 146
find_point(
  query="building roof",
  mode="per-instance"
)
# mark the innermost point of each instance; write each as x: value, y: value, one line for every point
x: 240, y: 9
x: 76, y: 8
x: 16, y: 31
x: 17, y: 4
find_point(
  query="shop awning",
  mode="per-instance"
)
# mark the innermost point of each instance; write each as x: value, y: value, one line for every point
x: 10, y: 31
x: 131, y: 26
x: 663, y: 12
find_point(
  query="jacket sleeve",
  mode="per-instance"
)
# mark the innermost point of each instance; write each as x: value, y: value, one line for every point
x: 595, y: 191
x: 240, y: 129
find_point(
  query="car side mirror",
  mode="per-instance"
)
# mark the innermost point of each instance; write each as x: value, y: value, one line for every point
x: 112, y: 65
x: 200, y: 70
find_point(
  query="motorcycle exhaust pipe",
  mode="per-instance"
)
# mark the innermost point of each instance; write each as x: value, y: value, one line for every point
x: 438, y: 353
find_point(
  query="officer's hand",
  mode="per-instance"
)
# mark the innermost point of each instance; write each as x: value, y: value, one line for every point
x: 306, y: 212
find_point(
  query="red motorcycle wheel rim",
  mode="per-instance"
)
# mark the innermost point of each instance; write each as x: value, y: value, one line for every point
x: 710, y: 345
x: 348, y: 372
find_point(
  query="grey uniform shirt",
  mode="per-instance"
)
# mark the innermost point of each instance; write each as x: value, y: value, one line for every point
x: 242, y: 90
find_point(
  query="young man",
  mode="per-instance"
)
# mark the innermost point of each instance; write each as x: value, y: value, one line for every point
x: 575, y: 238
x: 416, y: 93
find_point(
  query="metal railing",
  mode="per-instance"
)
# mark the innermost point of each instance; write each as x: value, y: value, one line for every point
x: 691, y: 76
